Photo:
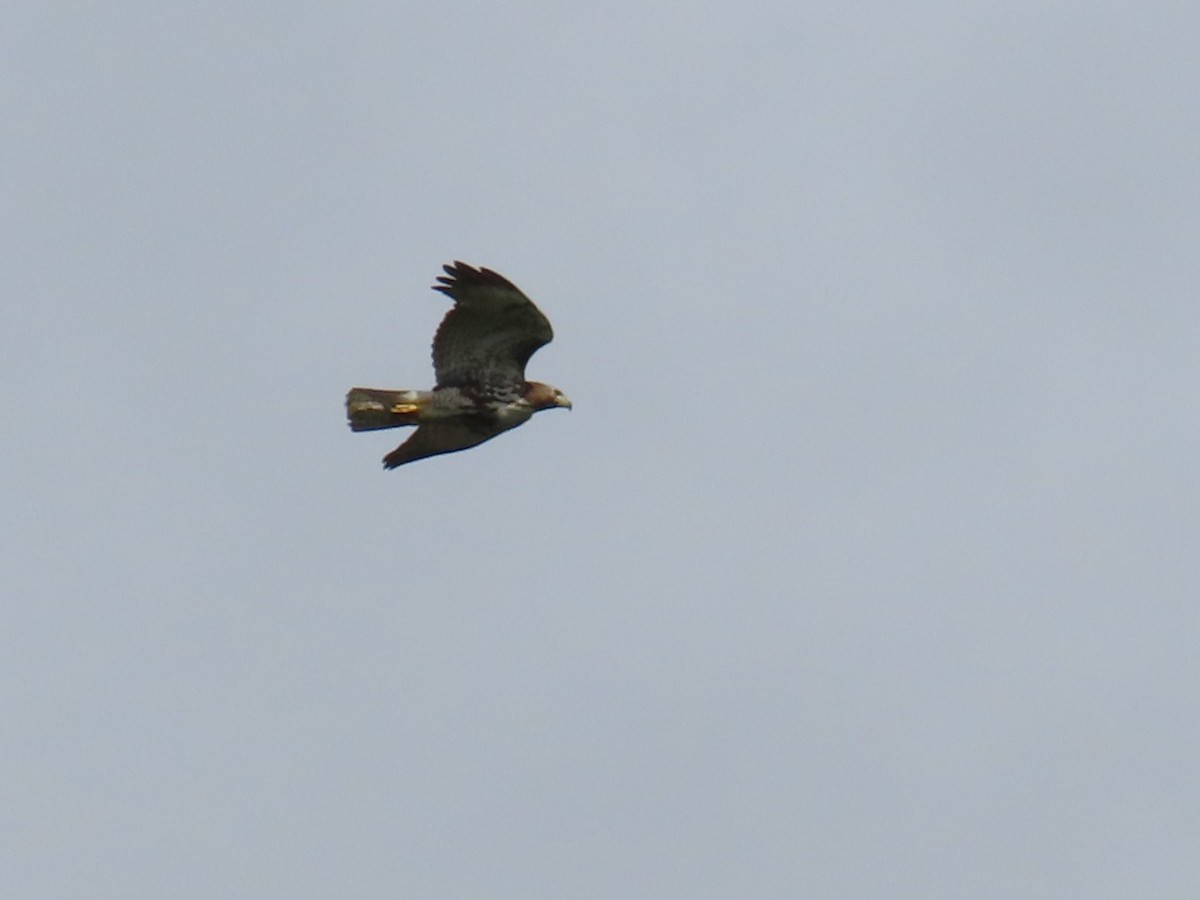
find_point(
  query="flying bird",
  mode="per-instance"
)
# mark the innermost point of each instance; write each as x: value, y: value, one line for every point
x: 479, y: 355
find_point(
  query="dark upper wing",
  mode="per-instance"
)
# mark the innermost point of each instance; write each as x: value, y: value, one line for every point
x: 490, y: 333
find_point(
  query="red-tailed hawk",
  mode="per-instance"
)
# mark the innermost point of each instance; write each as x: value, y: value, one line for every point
x: 479, y: 356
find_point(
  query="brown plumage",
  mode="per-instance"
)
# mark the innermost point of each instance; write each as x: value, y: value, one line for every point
x: 479, y: 355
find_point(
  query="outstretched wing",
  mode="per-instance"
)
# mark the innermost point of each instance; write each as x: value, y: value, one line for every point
x: 433, y: 438
x: 489, y: 335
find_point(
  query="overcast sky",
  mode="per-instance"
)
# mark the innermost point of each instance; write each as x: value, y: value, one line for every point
x: 866, y: 565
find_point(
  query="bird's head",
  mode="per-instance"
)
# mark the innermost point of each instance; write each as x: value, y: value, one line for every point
x: 544, y: 396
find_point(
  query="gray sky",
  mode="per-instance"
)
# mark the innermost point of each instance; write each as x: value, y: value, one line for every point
x: 865, y: 566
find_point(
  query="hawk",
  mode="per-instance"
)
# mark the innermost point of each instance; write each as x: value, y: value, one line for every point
x: 479, y: 356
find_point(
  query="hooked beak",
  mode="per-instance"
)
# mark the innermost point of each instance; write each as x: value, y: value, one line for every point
x: 563, y: 401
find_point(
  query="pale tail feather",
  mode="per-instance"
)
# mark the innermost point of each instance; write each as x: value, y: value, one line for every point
x: 369, y: 409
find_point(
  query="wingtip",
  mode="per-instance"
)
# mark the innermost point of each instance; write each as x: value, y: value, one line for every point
x: 454, y: 272
x: 465, y: 283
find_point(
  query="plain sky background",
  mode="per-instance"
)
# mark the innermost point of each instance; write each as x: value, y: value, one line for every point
x: 865, y: 566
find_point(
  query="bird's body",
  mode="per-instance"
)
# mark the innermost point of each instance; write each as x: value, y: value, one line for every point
x: 479, y: 356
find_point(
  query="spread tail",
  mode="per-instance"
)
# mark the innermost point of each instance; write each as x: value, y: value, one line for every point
x: 368, y: 409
